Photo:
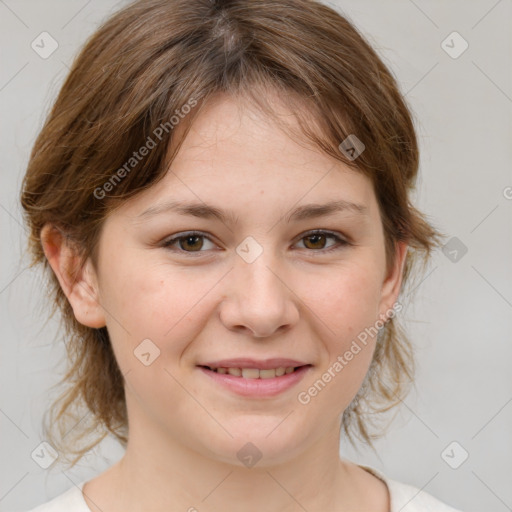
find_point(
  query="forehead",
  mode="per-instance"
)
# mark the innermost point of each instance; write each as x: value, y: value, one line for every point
x: 235, y: 155
x: 230, y: 127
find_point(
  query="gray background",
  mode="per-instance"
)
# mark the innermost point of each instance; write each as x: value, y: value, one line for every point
x: 461, y: 319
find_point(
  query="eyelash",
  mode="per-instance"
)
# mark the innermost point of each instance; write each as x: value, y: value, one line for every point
x: 340, y: 242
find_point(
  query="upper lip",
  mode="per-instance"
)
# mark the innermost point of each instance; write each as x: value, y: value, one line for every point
x: 261, y: 364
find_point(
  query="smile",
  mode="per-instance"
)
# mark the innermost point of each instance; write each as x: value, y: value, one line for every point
x: 255, y: 373
x: 257, y: 383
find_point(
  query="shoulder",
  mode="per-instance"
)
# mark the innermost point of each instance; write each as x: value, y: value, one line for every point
x: 407, y: 498
x: 71, y: 500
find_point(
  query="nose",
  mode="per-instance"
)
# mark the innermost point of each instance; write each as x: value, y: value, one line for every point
x: 258, y: 299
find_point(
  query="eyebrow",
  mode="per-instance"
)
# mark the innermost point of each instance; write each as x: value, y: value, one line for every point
x: 204, y: 211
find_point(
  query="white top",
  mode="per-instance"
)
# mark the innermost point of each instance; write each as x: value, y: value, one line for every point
x: 404, y: 498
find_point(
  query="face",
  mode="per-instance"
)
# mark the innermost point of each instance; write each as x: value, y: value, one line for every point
x: 244, y: 275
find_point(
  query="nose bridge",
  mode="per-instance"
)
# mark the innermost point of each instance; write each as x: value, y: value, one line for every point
x: 262, y: 284
x: 260, y: 300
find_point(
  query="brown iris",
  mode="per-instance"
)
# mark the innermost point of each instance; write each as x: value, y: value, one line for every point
x: 315, y: 238
x: 184, y: 241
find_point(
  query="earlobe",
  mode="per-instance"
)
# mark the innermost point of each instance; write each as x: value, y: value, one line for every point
x: 393, y: 281
x: 78, y: 281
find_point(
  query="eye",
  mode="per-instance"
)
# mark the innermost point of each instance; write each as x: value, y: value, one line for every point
x: 316, y: 240
x: 188, y: 242
x: 193, y: 242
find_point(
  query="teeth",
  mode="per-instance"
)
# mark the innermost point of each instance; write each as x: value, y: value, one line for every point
x: 254, y: 373
x: 250, y: 373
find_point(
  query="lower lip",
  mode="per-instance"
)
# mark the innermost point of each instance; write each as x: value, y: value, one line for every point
x: 258, y: 387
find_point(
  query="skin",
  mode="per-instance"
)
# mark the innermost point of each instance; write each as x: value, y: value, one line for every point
x: 295, y: 300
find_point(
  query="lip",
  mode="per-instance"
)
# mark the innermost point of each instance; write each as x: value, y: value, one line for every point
x: 262, y: 364
x: 257, y: 388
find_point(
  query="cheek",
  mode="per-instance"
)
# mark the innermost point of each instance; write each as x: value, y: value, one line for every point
x: 155, y: 301
x: 346, y: 299
x: 347, y: 303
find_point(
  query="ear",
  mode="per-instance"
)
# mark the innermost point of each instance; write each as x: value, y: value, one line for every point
x: 78, y: 282
x: 393, y: 281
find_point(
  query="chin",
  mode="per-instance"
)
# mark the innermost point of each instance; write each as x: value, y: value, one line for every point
x: 257, y: 442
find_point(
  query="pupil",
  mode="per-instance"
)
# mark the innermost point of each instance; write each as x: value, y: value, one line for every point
x: 192, y: 237
x: 315, y: 238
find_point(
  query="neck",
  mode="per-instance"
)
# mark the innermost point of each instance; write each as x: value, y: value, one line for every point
x: 156, y: 473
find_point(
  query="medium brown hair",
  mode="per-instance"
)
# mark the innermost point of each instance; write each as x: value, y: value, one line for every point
x: 134, y: 74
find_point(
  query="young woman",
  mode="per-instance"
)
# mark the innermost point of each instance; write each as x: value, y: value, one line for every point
x: 220, y: 197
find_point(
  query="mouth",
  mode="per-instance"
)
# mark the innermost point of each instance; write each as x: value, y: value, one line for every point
x: 255, y: 382
x: 254, y: 373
